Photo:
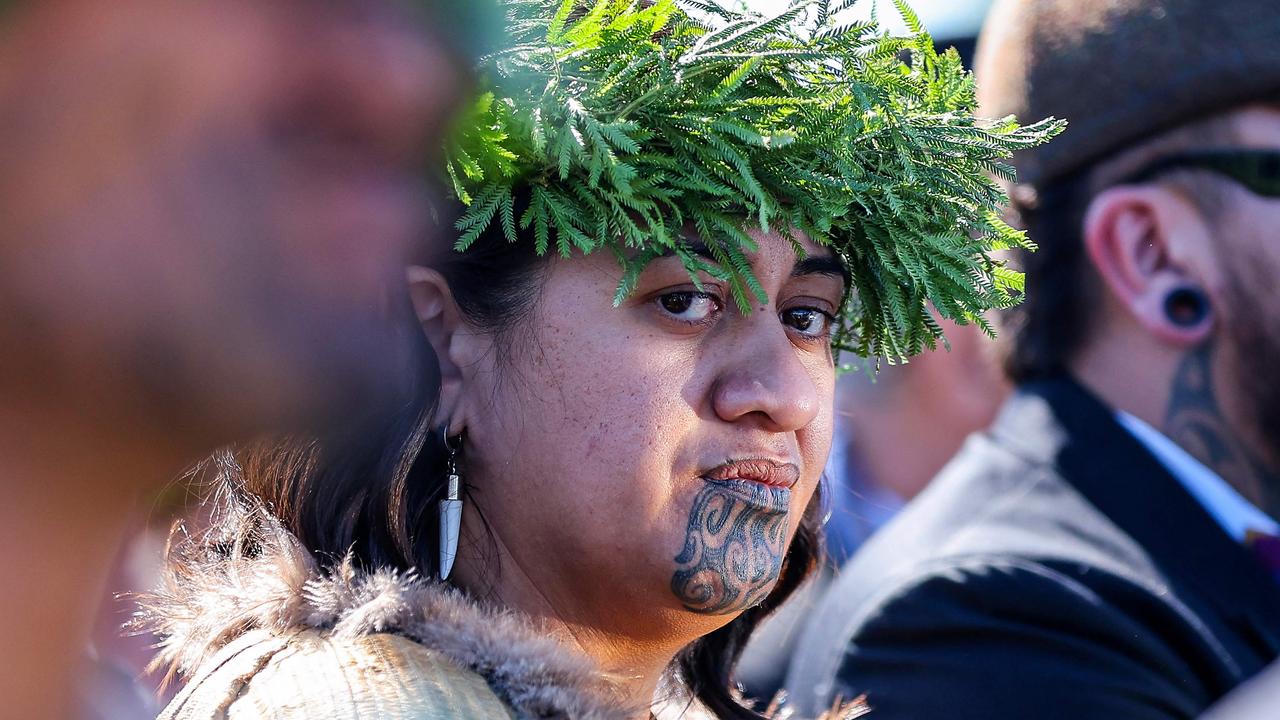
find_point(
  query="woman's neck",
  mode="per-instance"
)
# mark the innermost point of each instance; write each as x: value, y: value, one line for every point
x: 635, y: 665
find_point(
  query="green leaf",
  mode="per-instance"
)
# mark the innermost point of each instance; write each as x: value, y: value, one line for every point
x: 628, y: 124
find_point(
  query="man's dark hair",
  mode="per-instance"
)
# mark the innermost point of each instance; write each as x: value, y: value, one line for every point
x: 1052, y: 322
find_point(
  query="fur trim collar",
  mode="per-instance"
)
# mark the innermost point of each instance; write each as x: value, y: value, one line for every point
x: 203, y: 605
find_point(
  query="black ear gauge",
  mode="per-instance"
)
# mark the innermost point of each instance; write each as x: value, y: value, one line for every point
x: 1186, y: 306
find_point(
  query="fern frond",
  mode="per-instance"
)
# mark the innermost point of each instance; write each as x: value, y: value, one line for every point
x: 625, y: 124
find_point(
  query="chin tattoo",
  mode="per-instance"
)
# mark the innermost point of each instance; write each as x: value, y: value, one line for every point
x: 733, y: 547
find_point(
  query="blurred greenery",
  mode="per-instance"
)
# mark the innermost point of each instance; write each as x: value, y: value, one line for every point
x: 475, y: 27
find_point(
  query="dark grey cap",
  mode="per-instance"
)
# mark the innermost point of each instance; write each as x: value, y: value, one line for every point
x: 1122, y: 70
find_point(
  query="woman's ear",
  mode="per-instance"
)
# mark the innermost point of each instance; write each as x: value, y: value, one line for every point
x: 450, y: 338
x: 1134, y: 236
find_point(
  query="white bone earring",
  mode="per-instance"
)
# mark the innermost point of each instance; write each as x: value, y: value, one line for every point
x: 450, y: 506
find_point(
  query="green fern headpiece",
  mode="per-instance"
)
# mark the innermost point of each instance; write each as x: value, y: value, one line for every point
x: 624, y: 122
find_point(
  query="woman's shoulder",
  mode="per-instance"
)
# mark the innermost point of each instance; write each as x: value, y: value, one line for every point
x: 279, y: 636
x: 311, y: 674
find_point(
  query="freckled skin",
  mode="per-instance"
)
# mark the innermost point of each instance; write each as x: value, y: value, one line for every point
x: 585, y: 448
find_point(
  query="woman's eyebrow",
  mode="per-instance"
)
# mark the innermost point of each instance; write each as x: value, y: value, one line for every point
x: 825, y: 264
x: 828, y: 264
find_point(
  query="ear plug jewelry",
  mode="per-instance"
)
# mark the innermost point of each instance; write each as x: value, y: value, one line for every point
x: 1186, y: 306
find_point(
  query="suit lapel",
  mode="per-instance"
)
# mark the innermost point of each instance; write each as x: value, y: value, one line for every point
x: 1060, y: 423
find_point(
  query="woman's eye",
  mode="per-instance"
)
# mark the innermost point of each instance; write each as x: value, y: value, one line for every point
x: 813, y: 323
x: 690, y: 307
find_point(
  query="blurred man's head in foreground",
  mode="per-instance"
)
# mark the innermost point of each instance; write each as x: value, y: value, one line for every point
x: 206, y: 203
x: 205, y: 211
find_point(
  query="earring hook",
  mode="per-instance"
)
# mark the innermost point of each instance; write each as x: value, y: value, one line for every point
x: 452, y: 443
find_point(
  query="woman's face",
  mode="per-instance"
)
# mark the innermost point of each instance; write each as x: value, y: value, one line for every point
x: 652, y: 460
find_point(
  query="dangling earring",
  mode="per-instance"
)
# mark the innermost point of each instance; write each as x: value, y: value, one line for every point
x: 1186, y: 306
x: 450, y: 506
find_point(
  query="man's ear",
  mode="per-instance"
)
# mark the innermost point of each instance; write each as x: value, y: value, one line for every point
x: 450, y: 337
x: 1135, y: 237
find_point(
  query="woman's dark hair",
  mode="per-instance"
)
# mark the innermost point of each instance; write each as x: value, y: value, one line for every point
x: 372, y: 492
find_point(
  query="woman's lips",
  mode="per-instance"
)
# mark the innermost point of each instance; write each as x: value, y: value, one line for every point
x: 768, y: 472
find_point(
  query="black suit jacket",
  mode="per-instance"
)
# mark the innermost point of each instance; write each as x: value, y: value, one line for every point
x: 1054, y: 569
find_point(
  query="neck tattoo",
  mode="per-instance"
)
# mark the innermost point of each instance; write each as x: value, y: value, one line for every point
x: 1194, y: 420
x: 733, y: 547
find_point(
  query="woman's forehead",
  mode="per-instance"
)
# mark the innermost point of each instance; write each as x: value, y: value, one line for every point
x: 797, y: 255
x: 768, y: 244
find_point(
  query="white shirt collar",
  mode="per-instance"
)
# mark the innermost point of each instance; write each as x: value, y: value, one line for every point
x: 1233, y: 512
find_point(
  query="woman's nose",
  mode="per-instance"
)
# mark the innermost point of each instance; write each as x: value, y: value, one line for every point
x: 769, y: 384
